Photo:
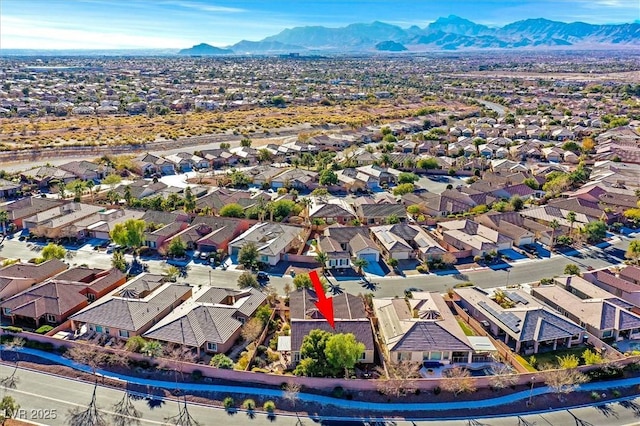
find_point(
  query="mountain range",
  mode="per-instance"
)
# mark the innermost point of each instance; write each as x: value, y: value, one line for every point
x: 448, y: 33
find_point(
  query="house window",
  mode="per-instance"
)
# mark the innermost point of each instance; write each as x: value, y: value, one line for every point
x: 90, y: 327
x: 106, y: 330
x: 50, y: 318
x: 7, y: 311
x: 296, y: 357
x: 607, y: 333
x: 91, y: 297
x: 212, y: 347
x: 436, y: 356
x: 123, y: 333
x: 264, y: 259
x: 363, y: 356
x: 98, y: 329
x: 241, y: 319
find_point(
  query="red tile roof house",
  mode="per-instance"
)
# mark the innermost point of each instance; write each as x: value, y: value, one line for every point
x: 21, y: 209
x: 53, y: 301
x: 20, y: 276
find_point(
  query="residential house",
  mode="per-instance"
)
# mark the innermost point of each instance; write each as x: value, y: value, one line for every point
x: 262, y: 175
x: 605, y: 318
x: 424, y: 330
x: 56, y: 222
x: 53, y: 301
x: 302, y: 180
x: 355, y: 241
x: 337, y: 257
x: 210, y: 320
x: 522, y: 323
x: 273, y: 240
x: 18, y: 210
x: 149, y: 164
x: 9, y: 189
x: 86, y: 170
x: 468, y: 235
x: 217, y: 232
x: 186, y: 161
x: 46, y: 176
x: 617, y: 284
x: 332, y: 210
x: 20, y: 276
x: 100, y: 224
x: 133, y: 307
x: 349, y: 314
x: 378, y: 214
x: 221, y: 197
x: 406, y: 241
x: 156, y: 239
x: 506, y: 224
x: 382, y: 174
x: 631, y: 274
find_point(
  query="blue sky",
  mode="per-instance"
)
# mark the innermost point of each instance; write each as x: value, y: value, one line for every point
x: 106, y: 24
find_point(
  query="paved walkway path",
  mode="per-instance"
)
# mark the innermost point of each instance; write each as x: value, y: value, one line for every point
x: 383, y: 407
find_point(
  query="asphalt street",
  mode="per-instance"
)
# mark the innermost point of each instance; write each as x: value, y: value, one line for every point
x: 520, y: 272
x: 46, y: 400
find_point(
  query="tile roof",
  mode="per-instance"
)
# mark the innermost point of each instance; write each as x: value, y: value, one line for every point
x: 345, y: 305
x: 128, y: 313
x: 35, y: 272
x: 360, y: 328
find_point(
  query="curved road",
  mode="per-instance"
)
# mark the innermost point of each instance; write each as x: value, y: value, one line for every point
x: 501, y: 110
x: 38, y: 392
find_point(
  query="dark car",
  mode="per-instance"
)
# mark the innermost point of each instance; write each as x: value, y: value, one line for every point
x: 262, y: 276
x: 412, y: 290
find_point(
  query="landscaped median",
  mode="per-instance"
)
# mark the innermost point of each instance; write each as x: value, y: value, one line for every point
x: 328, y: 397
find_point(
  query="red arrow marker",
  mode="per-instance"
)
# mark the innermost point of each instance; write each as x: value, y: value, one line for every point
x: 324, y: 304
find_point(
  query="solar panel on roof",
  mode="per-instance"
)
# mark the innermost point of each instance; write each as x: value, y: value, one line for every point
x: 517, y: 298
x: 507, y: 318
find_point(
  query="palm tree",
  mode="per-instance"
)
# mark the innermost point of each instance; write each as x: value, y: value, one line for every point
x: 4, y: 217
x: 152, y: 349
x: 90, y: 185
x: 359, y: 263
x: 571, y: 217
x: 322, y: 258
x: 554, y: 224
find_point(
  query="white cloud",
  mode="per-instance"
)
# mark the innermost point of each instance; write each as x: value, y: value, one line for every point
x: 18, y: 33
x: 203, y: 7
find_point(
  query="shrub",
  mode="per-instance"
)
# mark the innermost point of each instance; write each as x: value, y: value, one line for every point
x: 228, y: 403
x: 196, y: 375
x: 44, y: 329
x: 135, y: 344
x: 12, y: 329
x: 616, y: 393
x: 595, y: 395
x: 221, y: 361
x: 273, y: 357
x: 249, y: 404
x: 261, y: 349
x: 437, y: 390
x: 269, y: 406
x: 338, y: 392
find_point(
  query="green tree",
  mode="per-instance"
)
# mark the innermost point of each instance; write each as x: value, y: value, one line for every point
x: 407, y: 178
x: 572, y: 269
x: 392, y: 219
x: 8, y: 408
x: 264, y: 156
x: 248, y: 255
x: 232, y: 210
x: 532, y: 183
x: 4, y: 218
x: 571, y: 217
x: 633, y: 251
x: 245, y: 142
x: 189, y: 200
x: 247, y: 279
x: 343, y: 351
x: 152, y: 349
x: 221, y: 361
x: 177, y: 247
x: 633, y: 215
x: 595, y: 231
x: 112, y: 180
x: 313, y: 360
x: 360, y: 263
x: 554, y: 225
x: 516, y: 203
x: 129, y: 233
x: 322, y: 258
x: 239, y: 179
x: 328, y: 177
x: 427, y: 164
x: 53, y: 251
x: 118, y: 261
x: 414, y: 210
x: 404, y: 188
x: 302, y: 281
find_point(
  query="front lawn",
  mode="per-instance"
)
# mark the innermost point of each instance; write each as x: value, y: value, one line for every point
x: 551, y: 357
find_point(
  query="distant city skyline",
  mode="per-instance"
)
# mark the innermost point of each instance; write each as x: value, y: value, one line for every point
x: 171, y: 24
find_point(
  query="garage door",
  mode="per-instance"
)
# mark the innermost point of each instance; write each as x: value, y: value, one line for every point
x: 369, y: 257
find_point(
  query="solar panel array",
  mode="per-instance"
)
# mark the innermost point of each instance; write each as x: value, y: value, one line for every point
x: 507, y: 318
x: 517, y: 298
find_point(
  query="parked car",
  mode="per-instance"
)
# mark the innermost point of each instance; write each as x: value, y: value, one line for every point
x: 262, y: 276
x: 204, y: 255
x: 409, y: 290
